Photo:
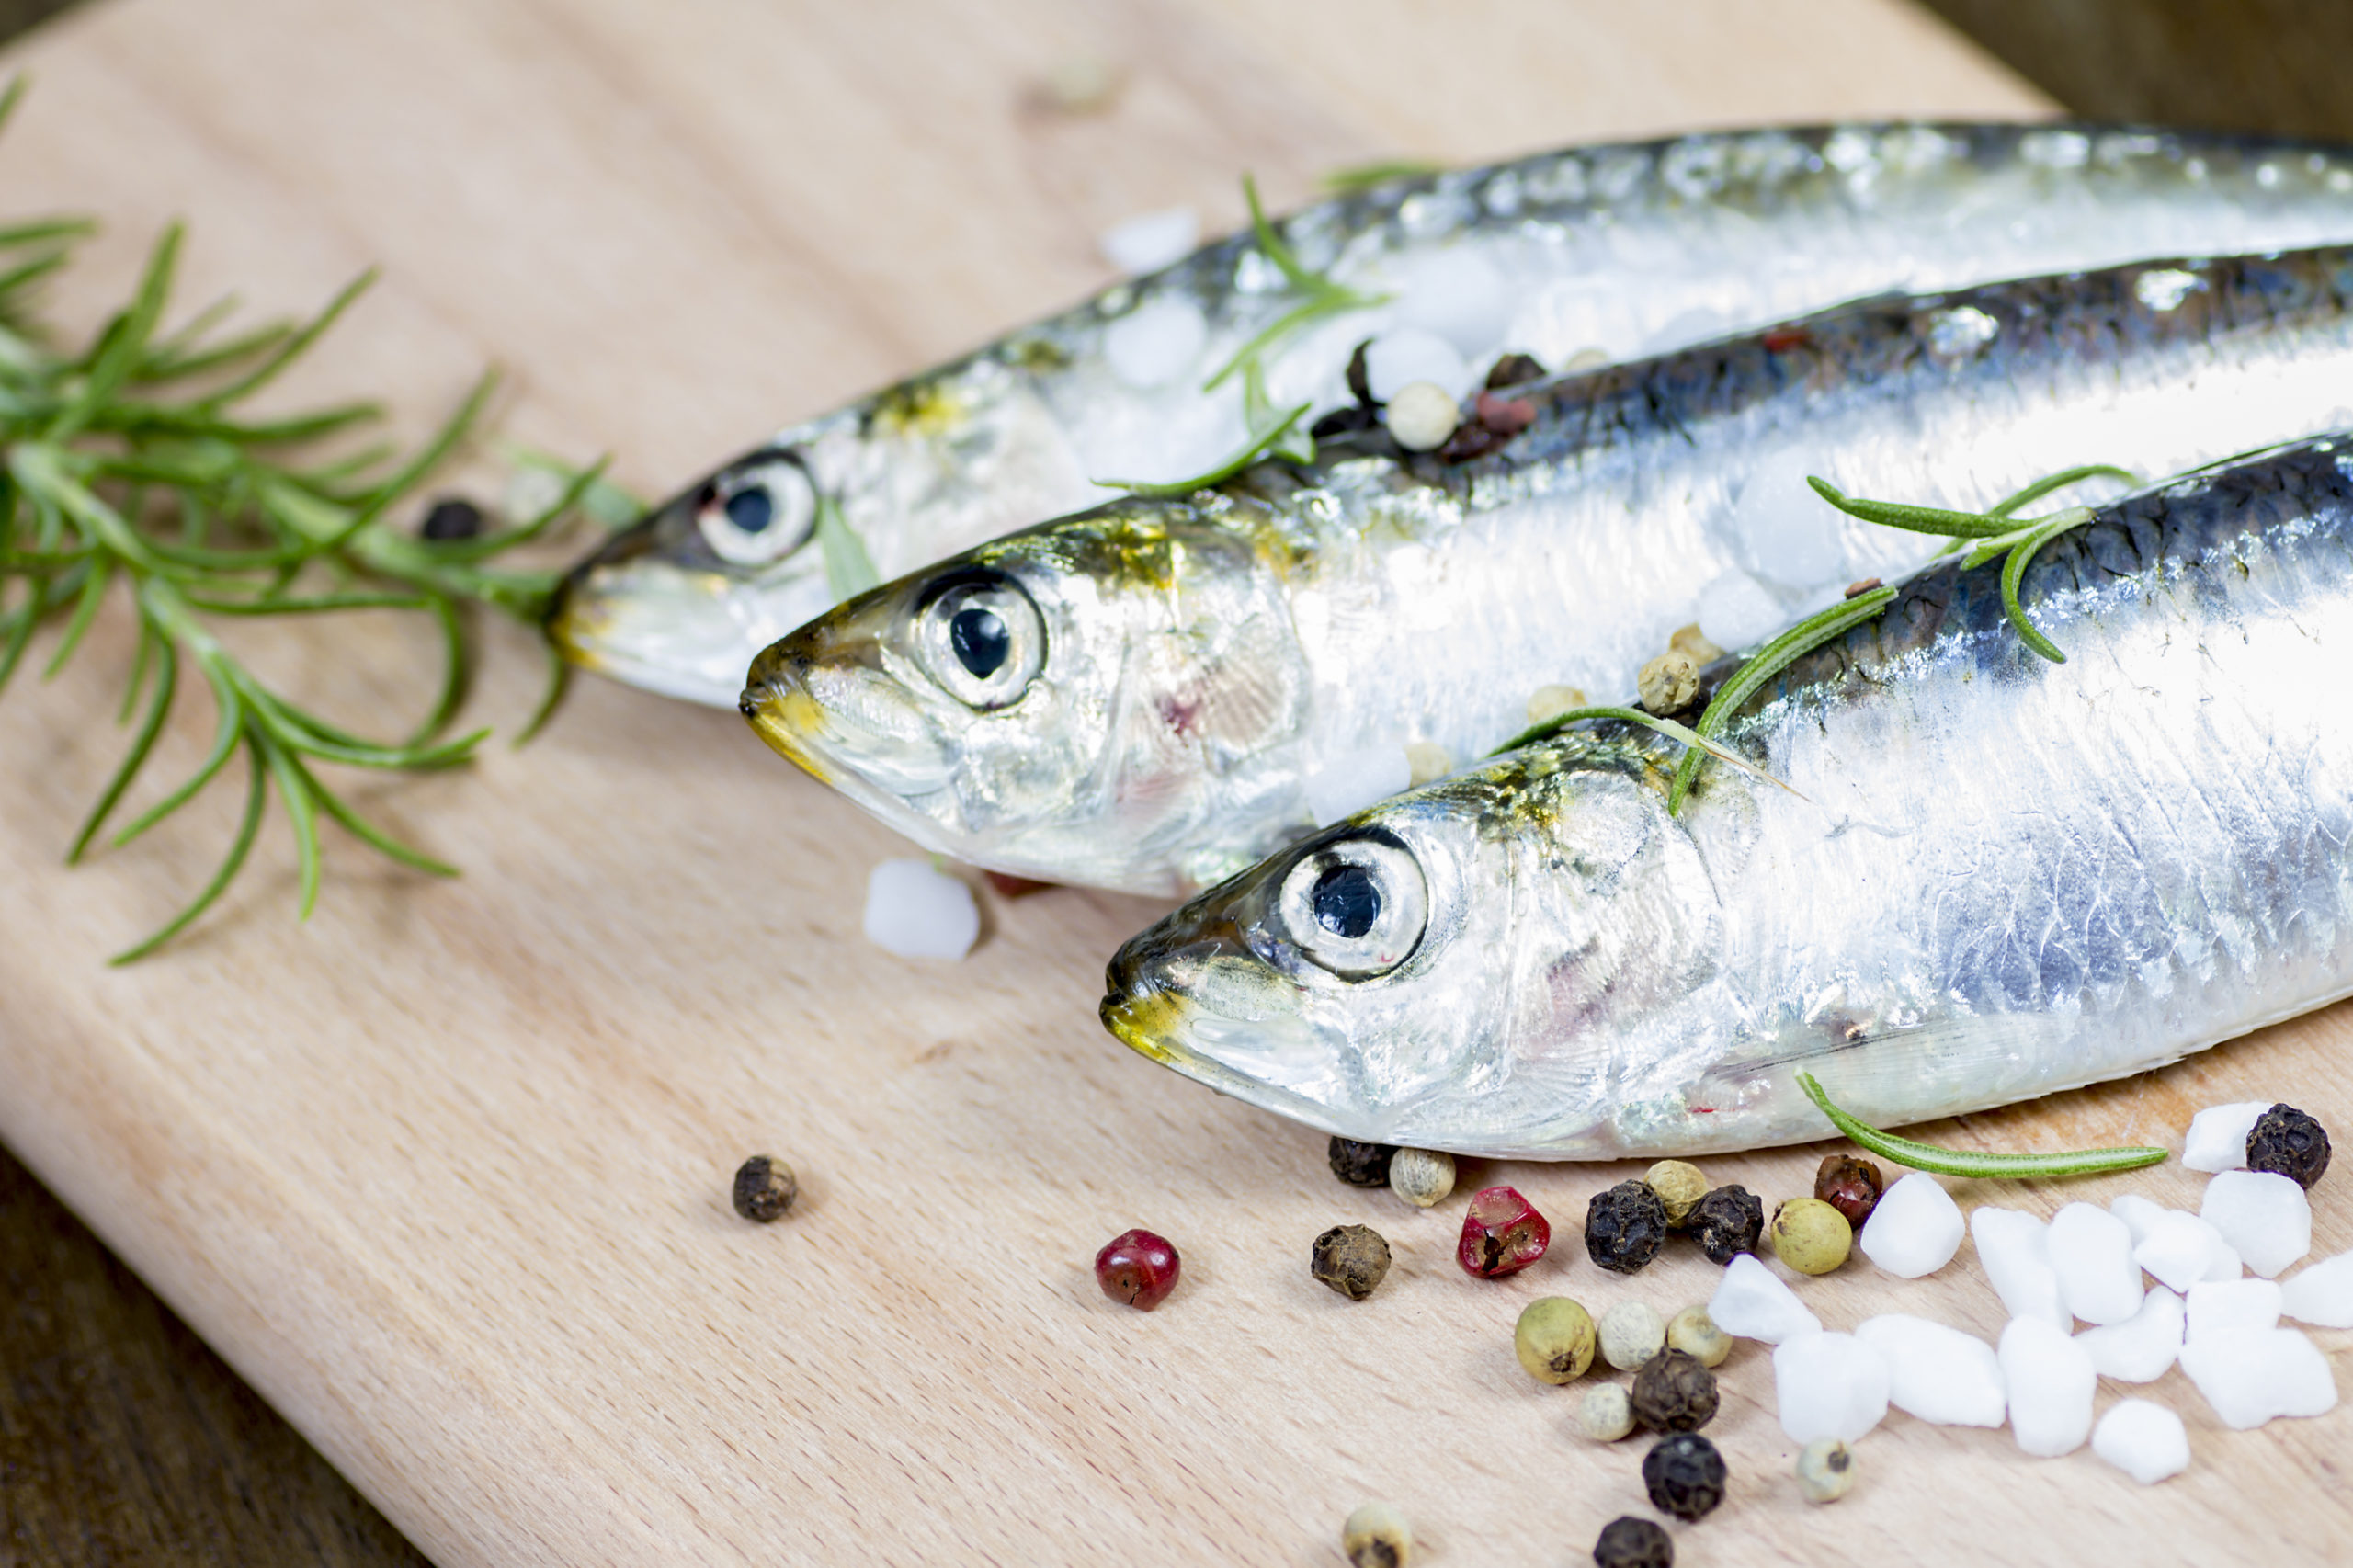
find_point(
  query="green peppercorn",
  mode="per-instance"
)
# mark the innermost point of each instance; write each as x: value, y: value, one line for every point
x: 1631, y: 1332
x: 1811, y: 1236
x: 1694, y: 1332
x: 1352, y: 1259
x: 1421, y: 1177
x: 1606, y: 1412
x: 1680, y: 1187
x: 1376, y: 1535
x: 1825, y: 1470
x: 1554, y: 1339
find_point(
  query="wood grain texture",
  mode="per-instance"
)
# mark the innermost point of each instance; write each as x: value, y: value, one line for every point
x: 444, y: 1171
x: 124, y: 1442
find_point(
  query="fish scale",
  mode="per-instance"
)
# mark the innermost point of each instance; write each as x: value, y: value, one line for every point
x: 1628, y: 249
x: 1377, y: 600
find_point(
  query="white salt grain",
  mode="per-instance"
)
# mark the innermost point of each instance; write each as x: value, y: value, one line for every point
x: 2250, y: 1378
x: 1150, y: 241
x: 1355, y: 779
x: 1914, y: 1229
x: 2091, y: 1251
x: 917, y: 912
x: 2217, y: 1136
x: 1752, y: 1304
x: 2145, y: 1441
x: 1829, y: 1385
x: 2049, y: 1379
x: 1787, y: 533
x: 2012, y: 1248
x: 2138, y: 1213
x: 2141, y: 1349
x: 1458, y: 296
x: 1405, y: 355
x: 2233, y: 1306
x: 1937, y: 1373
x: 1736, y: 611
x: 2180, y: 1249
x: 1156, y: 344
x: 2266, y: 1218
x: 2322, y: 1294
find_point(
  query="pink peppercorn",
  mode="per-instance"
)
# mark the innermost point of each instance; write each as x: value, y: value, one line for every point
x: 1502, y: 1234
x: 1137, y: 1267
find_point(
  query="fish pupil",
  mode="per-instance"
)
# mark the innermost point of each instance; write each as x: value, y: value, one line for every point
x: 750, y: 510
x: 1347, y: 901
x: 980, y: 641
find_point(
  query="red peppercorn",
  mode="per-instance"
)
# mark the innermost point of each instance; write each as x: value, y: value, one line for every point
x: 1502, y: 1234
x: 1137, y: 1267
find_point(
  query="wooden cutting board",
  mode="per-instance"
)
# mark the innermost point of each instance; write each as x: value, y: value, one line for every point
x: 444, y: 1171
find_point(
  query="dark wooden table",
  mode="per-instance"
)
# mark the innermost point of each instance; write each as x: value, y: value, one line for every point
x: 124, y: 1440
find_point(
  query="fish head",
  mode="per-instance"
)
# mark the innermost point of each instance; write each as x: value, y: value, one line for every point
x: 681, y: 600
x: 1055, y: 702
x: 1491, y: 963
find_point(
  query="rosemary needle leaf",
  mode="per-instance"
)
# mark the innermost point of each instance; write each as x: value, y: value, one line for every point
x: 1965, y: 1162
x: 2060, y: 481
x: 1232, y: 464
x: 239, y: 847
x: 368, y: 833
x: 294, y: 794
x: 159, y: 708
x: 229, y: 730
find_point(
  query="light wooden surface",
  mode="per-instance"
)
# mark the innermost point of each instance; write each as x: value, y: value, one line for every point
x: 444, y: 1173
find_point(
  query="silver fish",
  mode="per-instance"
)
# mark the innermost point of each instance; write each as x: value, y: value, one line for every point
x: 2001, y: 877
x: 1164, y: 691
x: 1629, y: 249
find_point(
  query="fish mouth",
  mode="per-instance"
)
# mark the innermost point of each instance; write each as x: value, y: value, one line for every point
x: 845, y: 723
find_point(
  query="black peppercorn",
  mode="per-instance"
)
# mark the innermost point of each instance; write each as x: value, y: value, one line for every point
x: 1515, y: 369
x: 1630, y: 1542
x: 1729, y: 1221
x: 1674, y: 1393
x: 1361, y: 1165
x: 2285, y: 1141
x: 452, y: 517
x: 1684, y: 1475
x: 1352, y: 1259
x: 1850, y: 1185
x: 1624, y: 1227
x: 765, y: 1189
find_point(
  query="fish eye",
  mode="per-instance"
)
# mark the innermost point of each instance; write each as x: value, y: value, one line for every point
x: 758, y: 511
x: 982, y: 639
x: 1355, y: 906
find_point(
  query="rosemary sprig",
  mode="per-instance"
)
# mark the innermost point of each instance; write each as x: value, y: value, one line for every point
x: 1270, y: 432
x: 1355, y: 177
x: 133, y: 462
x: 1668, y: 727
x: 1963, y: 1162
x: 1319, y: 296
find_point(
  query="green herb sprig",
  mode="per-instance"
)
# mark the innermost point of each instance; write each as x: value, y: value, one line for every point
x: 1355, y: 177
x: 1268, y: 432
x: 133, y: 462
x: 1991, y: 533
x: 1669, y: 727
x: 1965, y: 1162
x: 1319, y: 296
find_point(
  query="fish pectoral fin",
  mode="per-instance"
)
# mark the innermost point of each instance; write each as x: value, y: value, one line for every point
x: 1915, y: 1072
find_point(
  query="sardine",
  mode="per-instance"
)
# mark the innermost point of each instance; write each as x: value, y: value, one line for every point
x: 1999, y: 877
x: 1156, y: 694
x: 1624, y: 249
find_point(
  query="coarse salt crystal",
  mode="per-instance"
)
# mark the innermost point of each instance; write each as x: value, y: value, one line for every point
x: 1150, y: 241
x: 1937, y: 1373
x: 2091, y: 1251
x: 2266, y: 1218
x: 2138, y: 1349
x: 2322, y: 1294
x: 2012, y: 1248
x: 2138, y: 1213
x: 2217, y: 1136
x: 1787, y: 533
x: 1355, y: 779
x: 2252, y: 1377
x: 1914, y: 1229
x: 1829, y: 1385
x: 2049, y: 1379
x: 2233, y: 1306
x: 2181, y: 1249
x: 1458, y: 296
x: 1737, y: 612
x: 1752, y: 1304
x: 1402, y: 356
x: 1155, y: 343
x: 919, y: 912
x: 2145, y: 1441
